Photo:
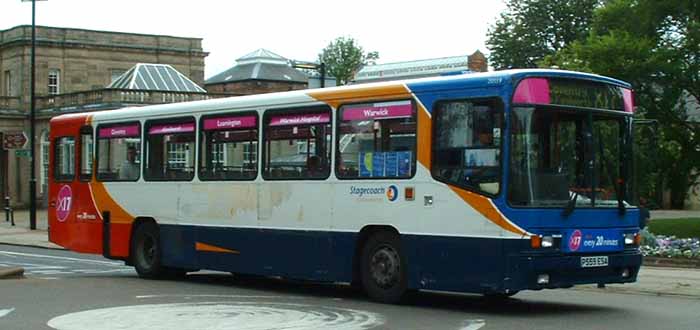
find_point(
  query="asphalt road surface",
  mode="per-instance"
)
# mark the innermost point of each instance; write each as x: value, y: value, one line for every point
x: 69, y: 291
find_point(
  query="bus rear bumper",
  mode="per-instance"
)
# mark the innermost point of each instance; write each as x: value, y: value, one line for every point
x: 536, y: 272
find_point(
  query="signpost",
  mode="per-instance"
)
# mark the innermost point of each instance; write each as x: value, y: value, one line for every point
x: 14, y: 140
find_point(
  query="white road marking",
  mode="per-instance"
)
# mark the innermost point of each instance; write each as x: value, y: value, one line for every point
x: 4, y: 312
x: 49, y: 272
x: 190, y: 296
x: 473, y: 325
x: 61, y: 258
x: 218, y: 316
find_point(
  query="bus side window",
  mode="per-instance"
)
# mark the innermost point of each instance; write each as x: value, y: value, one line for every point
x: 376, y: 140
x: 64, y: 159
x: 86, y: 153
x: 170, y: 150
x: 119, y: 152
x: 467, y: 144
x: 229, y: 147
x: 297, y: 144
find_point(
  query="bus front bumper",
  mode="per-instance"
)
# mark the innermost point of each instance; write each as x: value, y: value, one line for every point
x: 541, y: 271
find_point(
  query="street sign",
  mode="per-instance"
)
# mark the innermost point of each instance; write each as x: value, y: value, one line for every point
x: 14, y: 140
x: 23, y: 153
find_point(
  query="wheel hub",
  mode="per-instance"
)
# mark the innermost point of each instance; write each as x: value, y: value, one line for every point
x: 385, y: 266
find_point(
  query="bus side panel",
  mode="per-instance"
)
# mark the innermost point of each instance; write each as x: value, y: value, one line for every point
x: 119, y: 238
x: 465, y: 264
x: 289, y: 253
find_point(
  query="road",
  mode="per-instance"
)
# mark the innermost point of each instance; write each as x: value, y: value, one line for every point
x: 69, y: 291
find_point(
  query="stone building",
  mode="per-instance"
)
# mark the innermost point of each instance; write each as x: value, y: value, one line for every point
x: 73, y: 69
x: 262, y: 71
x: 475, y: 62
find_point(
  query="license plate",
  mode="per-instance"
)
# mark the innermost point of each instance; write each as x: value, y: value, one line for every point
x: 598, y: 261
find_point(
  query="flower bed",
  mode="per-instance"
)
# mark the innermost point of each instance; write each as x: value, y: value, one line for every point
x: 670, y: 246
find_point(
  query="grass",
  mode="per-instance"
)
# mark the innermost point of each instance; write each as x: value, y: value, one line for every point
x: 681, y: 228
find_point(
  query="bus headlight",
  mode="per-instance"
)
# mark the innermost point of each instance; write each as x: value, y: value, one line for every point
x: 632, y: 239
x: 539, y: 241
x: 547, y: 241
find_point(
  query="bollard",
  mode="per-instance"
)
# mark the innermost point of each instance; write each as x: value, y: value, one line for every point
x: 9, y: 213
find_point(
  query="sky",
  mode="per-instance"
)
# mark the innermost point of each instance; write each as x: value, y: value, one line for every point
x: 299, y: 30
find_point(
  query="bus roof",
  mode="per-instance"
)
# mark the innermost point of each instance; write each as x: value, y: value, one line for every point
x: 305, y: 97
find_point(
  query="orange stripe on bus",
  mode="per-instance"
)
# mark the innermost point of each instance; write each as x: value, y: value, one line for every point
x: 484, y: 206
x: 425, y: 137
x: 360, y: 93
x: 105, y: 202
x: 211, y: 248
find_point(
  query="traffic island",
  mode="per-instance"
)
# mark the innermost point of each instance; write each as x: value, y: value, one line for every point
x: 11, y: 273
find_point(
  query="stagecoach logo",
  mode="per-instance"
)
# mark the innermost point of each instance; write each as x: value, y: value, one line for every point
x: 392, y: 193
x: 64, y: 202
x: 575, y: 240
x: 371, y: 193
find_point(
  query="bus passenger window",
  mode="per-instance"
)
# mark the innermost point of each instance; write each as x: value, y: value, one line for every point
x: 229, y: 147
x: 86, y: 145
x: 170, y: 148
x: 64, y: 159
x: 377, y: 140
x: 118, y: 152
x: 467, y: 144
x: 298, y: 145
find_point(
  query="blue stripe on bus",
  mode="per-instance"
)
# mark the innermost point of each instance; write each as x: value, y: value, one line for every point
x: 446, y: 263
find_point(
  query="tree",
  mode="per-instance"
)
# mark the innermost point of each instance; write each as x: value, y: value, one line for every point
x: 344, y: 57
x: 529, y: 30
x: 655, y: 45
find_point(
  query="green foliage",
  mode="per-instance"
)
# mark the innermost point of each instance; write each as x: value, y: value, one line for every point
x: 529, y: 30
x: 655, y: 45
x: 681, y: 228
x: 344, y: 57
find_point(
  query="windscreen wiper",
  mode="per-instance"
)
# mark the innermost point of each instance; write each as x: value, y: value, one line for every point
x: 570, y: 206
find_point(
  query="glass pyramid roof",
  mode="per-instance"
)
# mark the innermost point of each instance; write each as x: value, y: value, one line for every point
x: 156, y: 77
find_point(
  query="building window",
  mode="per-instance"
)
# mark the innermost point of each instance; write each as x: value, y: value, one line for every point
x: 8, y: 83
x: 170, y: 148
x: 119, y: 152
x: 297, y: 144
x: 229, y: 146
x: 54, y: 81
x: 377, y: 140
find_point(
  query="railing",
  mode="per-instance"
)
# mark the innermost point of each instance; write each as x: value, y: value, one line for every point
x: 9, y: 103
x: 118, y: 97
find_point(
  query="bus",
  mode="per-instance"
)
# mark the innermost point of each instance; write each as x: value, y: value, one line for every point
x: 488, y: 183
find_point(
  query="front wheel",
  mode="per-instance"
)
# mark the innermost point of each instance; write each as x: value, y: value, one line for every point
x: 383, y: 268
x: 146, y: 252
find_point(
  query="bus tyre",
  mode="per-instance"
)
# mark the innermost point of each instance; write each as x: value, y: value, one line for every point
x: 383, y: 268
x: 146, y: 251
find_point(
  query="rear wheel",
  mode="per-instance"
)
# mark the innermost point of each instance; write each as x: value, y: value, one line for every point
x: 383, y: 268
x: 146, y: 252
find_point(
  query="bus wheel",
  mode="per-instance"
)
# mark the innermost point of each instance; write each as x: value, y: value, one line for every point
x: 146, y: 251
x: 383, y: 268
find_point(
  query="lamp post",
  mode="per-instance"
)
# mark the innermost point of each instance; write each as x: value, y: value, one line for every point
x: 320, y: 67
x: 32, y: 125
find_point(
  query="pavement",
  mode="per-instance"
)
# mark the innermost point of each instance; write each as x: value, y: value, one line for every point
x: 651, y: 280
